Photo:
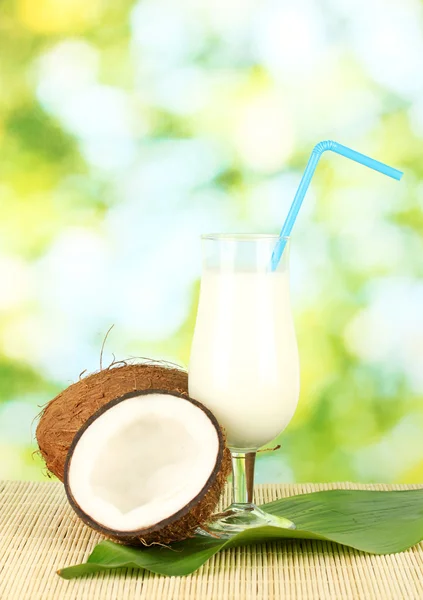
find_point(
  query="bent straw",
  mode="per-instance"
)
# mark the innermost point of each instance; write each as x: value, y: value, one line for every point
x: 305, y: 182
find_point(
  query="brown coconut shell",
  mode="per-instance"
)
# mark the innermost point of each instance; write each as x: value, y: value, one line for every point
x: 66, y: 413
x: 182, y: 524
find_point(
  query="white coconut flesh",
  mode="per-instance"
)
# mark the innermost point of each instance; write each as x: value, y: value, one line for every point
x: 142, y: 460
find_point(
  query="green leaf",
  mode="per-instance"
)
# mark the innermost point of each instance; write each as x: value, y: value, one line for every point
x: 375, y: 522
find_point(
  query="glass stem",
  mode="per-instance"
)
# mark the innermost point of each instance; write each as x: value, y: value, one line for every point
x: 243, y: 477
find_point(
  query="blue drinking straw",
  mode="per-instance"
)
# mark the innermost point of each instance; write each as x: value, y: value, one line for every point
x: 305, y: 182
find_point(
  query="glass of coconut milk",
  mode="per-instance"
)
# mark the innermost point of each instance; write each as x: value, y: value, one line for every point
x: 244, y: 362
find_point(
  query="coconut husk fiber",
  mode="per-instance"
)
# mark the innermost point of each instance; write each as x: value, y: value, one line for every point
x: 67, y: 413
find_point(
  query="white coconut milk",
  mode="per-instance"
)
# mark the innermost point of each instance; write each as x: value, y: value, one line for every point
x: 244, y: 360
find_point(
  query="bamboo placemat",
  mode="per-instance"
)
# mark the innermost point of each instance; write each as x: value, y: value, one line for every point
x: 39, y: 533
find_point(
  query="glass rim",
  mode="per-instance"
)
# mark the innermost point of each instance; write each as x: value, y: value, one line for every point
x: 243, y: 237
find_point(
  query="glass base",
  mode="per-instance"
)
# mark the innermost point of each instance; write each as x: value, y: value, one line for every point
x: 238, y: 517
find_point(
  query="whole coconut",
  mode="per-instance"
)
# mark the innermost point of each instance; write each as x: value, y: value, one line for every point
x: 68, y: 412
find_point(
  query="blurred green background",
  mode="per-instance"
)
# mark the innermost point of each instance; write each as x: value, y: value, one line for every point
x: 129, y: 128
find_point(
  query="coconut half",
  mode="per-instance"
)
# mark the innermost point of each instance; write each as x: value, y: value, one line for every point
x: 148, y: 467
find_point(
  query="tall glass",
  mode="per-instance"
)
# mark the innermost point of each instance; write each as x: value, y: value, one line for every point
x: 244, y: 360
